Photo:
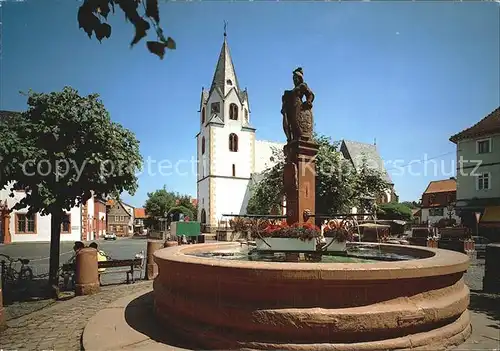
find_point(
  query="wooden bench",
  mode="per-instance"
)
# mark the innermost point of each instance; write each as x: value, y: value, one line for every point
x: 132, y: 265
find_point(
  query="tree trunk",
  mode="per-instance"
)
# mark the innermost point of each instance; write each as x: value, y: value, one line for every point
x: 55, y: 242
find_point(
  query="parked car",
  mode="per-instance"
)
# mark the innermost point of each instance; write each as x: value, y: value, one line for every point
x: 480, y: 243
x: 110, y: 236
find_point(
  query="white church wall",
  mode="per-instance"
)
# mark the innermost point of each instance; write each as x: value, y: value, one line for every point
x: 263, y: 154
x: 230, y: 196
x: 203, y: 198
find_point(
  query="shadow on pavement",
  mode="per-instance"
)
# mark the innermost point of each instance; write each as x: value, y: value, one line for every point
x: 139, y: 314
x: 488, y: 304
x: 35, y: 290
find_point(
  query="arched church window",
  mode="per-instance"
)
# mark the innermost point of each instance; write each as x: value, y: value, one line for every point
x: 203, y: 115
x: 203, y: 145
x: 233, y: 112
x: 229, y: 82
x: 233, y: 142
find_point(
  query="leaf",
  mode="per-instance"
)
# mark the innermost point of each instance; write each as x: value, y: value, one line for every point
x: 141, y: 28
x: 157, y: 48
x: 103, y: 31
x: 170, y: 44
x: 103, y: 8
x: 152, y: 10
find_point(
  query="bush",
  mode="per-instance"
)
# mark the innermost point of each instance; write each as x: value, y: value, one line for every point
x: 394, y: 210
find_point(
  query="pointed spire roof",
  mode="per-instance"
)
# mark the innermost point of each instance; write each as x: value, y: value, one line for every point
x: 225, y: 75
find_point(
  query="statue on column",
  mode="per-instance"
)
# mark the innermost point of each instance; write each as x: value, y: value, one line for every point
x: 297, y: 113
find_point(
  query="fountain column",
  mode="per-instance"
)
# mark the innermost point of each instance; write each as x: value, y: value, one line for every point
x: 300, y: 180
x: 299, y: 177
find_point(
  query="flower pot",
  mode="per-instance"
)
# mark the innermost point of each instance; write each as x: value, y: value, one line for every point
x: 285, y: 244
x: 335, y: 246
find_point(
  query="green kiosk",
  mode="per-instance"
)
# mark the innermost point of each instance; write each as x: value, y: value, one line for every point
x: 190, y: 230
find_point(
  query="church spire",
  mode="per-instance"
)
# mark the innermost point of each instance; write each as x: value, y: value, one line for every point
x: 225, y: 75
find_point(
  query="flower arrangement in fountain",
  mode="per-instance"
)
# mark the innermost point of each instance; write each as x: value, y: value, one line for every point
x: 341, y: 230
x: 302, y: 231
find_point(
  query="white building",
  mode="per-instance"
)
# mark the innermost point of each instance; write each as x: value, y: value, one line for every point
x: 227, y: 147
x: 24, y: 228
x: 85, y: 222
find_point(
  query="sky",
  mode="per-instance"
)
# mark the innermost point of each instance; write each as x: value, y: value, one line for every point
x: 406, y: 74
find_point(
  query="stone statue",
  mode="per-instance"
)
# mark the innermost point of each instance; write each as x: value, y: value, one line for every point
x: 297, y: 114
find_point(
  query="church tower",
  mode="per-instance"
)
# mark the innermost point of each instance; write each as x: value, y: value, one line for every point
x: 226, y: 145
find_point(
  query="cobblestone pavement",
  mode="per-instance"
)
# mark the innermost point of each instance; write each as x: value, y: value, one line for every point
x: 60, y: 326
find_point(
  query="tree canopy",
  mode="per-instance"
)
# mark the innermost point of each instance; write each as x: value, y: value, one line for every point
x: 339, y: 187
x: 62, y: 150
x: 162, y: 201
x: 392, y: 210
x: 142, y: 14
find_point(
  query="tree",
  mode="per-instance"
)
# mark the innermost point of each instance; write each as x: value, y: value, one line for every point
x: 392, y: 210
x: 411, y: 204
x: 93, y: 16
x: 61, y: 151
x: 159, y: 203
x: 338, y: 186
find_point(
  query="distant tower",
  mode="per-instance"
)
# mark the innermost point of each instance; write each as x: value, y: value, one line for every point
x: 226, y: 145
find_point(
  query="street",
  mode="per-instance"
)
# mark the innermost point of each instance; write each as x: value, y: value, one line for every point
x: 38, y: 254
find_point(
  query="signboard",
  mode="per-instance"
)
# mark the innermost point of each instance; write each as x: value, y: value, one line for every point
x: 478, y: 216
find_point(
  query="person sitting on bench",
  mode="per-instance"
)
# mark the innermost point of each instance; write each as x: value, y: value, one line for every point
x: 101, y: 257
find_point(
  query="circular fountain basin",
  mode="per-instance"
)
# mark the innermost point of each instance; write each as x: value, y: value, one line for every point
x: 220, y: 303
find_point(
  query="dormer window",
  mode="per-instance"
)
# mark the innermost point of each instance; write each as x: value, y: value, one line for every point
x: 215, y: 108
x: 229, y: 82
x: 233, y: 112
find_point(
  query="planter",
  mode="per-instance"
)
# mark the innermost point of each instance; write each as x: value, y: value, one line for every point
x: 285, y: 244
x: 335, y: 246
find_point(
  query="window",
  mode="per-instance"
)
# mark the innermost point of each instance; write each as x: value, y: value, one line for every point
x: 215, y: 108
x: 25, y: 224
x: 234, y: 170
x: 439, y: 212
x: 233, y: 112
x: 203, y: 115
x: 233, y: 142
x: 483, y: 181
x: 122, y: 218
x: 203, y: 145
x: 117, y: 218
x: 246, y: 115
x: 66, y: 224
x: 111, y: 228
x: 483, y: 146
x: 229, y: 82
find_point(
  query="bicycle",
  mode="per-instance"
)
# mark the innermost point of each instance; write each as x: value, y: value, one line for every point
x: 16, y: 279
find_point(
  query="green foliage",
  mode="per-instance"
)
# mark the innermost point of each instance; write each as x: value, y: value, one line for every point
x: 64, y: 147
x: 93, y: 16
x: 161, y: 202
x: 267, y: 193
x: 392, y: 210
x: 181, y: 209
x: 412, y: 204
x: 338, y: 186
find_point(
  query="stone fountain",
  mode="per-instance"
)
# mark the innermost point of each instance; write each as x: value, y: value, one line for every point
x: 418, y: 301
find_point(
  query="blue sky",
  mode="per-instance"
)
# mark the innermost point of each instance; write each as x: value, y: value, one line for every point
x: 406, y: 73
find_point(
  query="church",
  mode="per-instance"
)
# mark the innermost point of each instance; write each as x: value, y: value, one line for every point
x: 228, y: 154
